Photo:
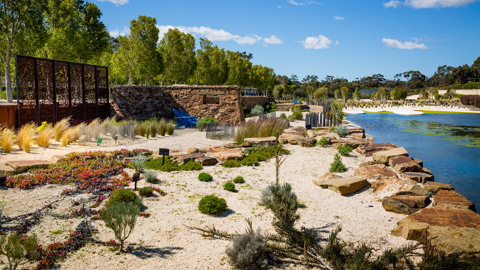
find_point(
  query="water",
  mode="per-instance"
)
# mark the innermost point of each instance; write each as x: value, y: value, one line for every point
x: 448, y: 144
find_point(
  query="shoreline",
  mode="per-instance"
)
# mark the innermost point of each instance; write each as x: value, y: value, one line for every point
x: 406, y: 110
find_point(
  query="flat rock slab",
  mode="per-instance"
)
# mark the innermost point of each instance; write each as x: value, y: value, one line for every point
x: 272, y: 140
x: 295, y: 130
x: 450, y: 239
x: 306, y: 142
x: 369, y: 150
x: 405, y: 204
x: 419, y: 177
x: 385, y: 156
x: 207, y: 161
x: 345, y: 186
x: 6, y: 170
x: 448, y: 199
x: 182, y: 159
x: 358, y: 135
x: 326, y: 177
x: 377, y: 171
x: 406, y: 164
x: 223, y: 154
x: 395, y: 186
x: 435, y: 187
x: 56, y: 158
x: 23, y: 165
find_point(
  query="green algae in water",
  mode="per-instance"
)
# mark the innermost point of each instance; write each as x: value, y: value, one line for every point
x: 468, y: 136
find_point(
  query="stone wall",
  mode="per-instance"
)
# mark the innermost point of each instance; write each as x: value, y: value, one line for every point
x: 250, y: 101
x: 143, y: 102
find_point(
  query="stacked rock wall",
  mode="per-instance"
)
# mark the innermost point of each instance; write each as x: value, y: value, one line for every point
x: 143, y: 102
x: 249, y: 102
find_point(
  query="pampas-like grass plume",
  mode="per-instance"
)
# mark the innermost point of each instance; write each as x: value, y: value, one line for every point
x: 44, y: 136
x: 6, y: 140
x: 60, y: 127
x: 25, y: 137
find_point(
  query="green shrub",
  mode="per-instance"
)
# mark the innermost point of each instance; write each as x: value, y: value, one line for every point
x: 162, y: 127
x: 323, y: 142
x: 291, y: 118
x: 297, y: 115
x: 283, y: 116
x: 145, y: 191
x: 239, y: 180
x: 121, y: 218
x: 231, y: 164
x: 271, y: 107
x: 202, y: 123
x: 344, y: 150
x: 229, y: 186
x: 123, y: 195
x: 341, y: 130
x: 283, y: 204
x: 205, y: 177
x: 170, y: 166
x: 211, y: 204
x: 138, y: 163
x: 171, y: 128
x: 153, y: 129
x: 15, y: 247
x: 258, y: 109
x: 337, y: 165
x: 254, y: 158
x: 150, y: 175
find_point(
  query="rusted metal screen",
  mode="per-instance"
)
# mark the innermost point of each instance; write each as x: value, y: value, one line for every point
x: 50, y: 90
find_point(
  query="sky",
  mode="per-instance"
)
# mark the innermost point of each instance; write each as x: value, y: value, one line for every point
x: 343, y: 38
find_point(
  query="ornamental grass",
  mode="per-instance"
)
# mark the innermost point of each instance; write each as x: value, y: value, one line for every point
x: 60, y: 127
x: 44, y: 136
x: 6, y: 140
x: 25, y: 137
x: 257, y: 128
x: 162, y: 127
x: 171, y: 128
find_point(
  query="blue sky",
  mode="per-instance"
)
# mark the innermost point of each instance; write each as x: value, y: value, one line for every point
x: 343, y: 38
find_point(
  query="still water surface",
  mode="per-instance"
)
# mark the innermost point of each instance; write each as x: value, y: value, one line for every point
x: 448, y: 144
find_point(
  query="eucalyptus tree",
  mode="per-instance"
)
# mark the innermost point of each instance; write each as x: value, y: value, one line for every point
x: 261, y: 77
x: 22, y: 30
x: 212, y: 67
x: 238, y: 69
x: 128, y: 56
x: 178, y: 53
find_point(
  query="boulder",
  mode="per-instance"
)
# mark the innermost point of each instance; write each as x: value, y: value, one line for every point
x: 356, y: 130
x: 451, y: 230
x: 290, y: 138
x: 358, y: 135
x: 6, y: 170
x: 447, y: 199
x: 419, y: 177
x: 272, y: 140
x: 226, y: 154
x: 306, y: 142
x: 377, y: 171
x: 345, y: 186
x: 56, y: 158
x: 332, y: 136
x: 83, y: 198
x: 385, y: 156
x: 295, y: 130
x: 354, y: 143
x: 326, y: 177
x: 193, y: 150
x: 23, y: 165
x: 369, y: 163
x: 435, y: 187
x: 404, y: 204
x: 369, y: 137
x: 182, y: 159
x: 406, y: 164
x: 395, y: 186
x: 207, y: 161
x: 369, y: 150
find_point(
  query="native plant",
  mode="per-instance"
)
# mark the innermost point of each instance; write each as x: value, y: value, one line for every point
x: 256, y: 128
x: 337, y: 165
x: 211, y: 204
x: 205, y: 177
x: 229, y: 186
x: 344, y: 150
x: 60, y: 127
x: 145, y: 191
x: 121, y: 218
x: 6, y: 140
x: 341, y: 130
x: 239, y: 180
x: 15, y: 247
x: 162, y: 127
x: 124, y: 196
x: 45, y: 134
x: 150, y: 176
x: 323, y: 142
x: 284, y: 204
x: 170, y: 128
x: 257, y: 110
x: 138, y: 163
x: 25, y: 137
x: 279, y: 159
x: 202, y: 123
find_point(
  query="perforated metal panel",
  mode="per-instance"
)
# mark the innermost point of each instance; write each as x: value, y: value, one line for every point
x: 26, y: 90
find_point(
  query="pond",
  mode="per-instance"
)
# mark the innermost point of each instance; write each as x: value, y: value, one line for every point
x: 448, y: 144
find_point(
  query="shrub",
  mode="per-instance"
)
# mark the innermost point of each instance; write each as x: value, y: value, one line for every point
x: 142, y: 130
x: 205, y: 177
x: 291, y: 118
x: 6, y: 140
x: 239, y: 180
x: 15, y: 247
x: 283, y: 116
x: 211, y: 204
x: 169, y: 166
x: 256, y: 128
x: 254, y: 158
x: 171, y: 128
x: 249, y: 251
x: 145, y: 192
x: 337, y: 165
x: 123, y: 195
x: 150, y: 175
x: 162, y: 127
x: 138, y: 163
x: 60, y: 127
x: 121, y: 218
x: 344, y: 150
x: 341, y: 130
x: 266, y: 196
x: 271, y: 107
x: 66, y: 137
x: 229, y: 186
x: 258, y: 109
x: 297, y: 115
x: 202, y: 123
x: 231, y: 164
x: 43, y: 126
x: 323, y: 142
x: 25, y: 137
x: 283, y: 204
x: 295, y: 108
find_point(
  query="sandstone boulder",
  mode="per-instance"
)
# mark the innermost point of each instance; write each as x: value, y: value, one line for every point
x: 207, y: 161
x: 369, y: 150
x: 419, y: 177
x: 23, y: 165
x: 290, y: 138
x: 358, y: 135
x: 226, y: 154
x: 326, y: 177
x: 396, y: 186
x: 56, y: 158
x: 306, y: 142
x: 6, y: 170
x: 345, y: 186
x: 182, y: 159
x: 385, y: 156
x: 369, y: 137
x: 406, y: 164
x: 332, y: 136
x: 404, y: 204
x: 435, y: 187
x: 272, y: 140
x: 377, y: 171
x: 447, y: 199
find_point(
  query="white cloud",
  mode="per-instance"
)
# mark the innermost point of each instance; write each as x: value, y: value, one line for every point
x: 338, y: 18
x: 320, y: 42
x: 280, y: 7
x: 211, y: 34
x: 116, y: 2
x: 273, y: 40
x: 302, y: 3
x: 429, y: 3
x: 124, y: 32
x: 392, y: 43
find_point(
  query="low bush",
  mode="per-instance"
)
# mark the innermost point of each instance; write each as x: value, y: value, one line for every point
x: 239, y: 180
x: 169, y: 166
x: 323, y: 142
x: 229, y: 186
x: 337, y: 165
x: 123, y: 195
x: 254, y: 158
x: 15, y: 247
x: 249, y: 251
x: 43, y: 126
x: 153, y: 129
x: 145, y: 191
x: 283, y: 116
x: 211, y: 204
x: 150, y: 176
x: 138, y: 163
x: 205, y: 177
x: 121, y: 218
x: 258, y: 109
x: 266, y: 196
x: 202, y: 123
x: 162, y: 127
x: 297, y: 115
x: 341, y: 130
x: 283, y: 204
x: 344, y: 150
x: 271, y: 107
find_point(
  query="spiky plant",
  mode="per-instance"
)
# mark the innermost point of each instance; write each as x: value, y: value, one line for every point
x: 44, y: 136
x: 60, y: 127
x: 170, y: 128
x: 6, y: 140
x: 162, y: 127
x: 25, y: 137
x: 284, y: 204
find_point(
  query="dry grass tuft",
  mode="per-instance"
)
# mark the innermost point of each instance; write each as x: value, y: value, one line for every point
x: 44, y: 136
x: 6, y: 140
x: 66, y: 137
x: 25, y: 137
x: 171, y: 128
x: 257, y: 128
x: 162, y: 127
x: 60, y: 127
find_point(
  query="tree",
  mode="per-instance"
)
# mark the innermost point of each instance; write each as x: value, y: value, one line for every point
x: 145, y: 33
x: 337, y: 94
x: 344, y: 91
x: 398, y: 93
x: 278, y: 91
x: 238, y: 69
x: 21, y: 30
x: 178, y: 52
x: 310, y: 90
x: 384, y: 93
x: 128, y: 56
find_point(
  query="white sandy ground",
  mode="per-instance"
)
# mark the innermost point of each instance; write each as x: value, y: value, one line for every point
x: 162, y: 242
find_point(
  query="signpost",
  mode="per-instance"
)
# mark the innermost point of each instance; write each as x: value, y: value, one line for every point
x: 136, y: 177
x: 164, y: 152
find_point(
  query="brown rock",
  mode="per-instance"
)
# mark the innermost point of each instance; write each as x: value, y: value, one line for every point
x: 262, y: 141
x: 356, y: 130
x: 182, y: 159
x: 447, y: 199
x: 406, y: 164
x: 395, y: 186
x: 207, y: 161
x: 6, y: 170
x: 376, y: 171
x: 385, y: 156
x: 354, y: 143
x: 226, y: 154
x: 435, y: 187
x: 419, y: 177
x: 193, y: 150
x: 23, y: 165
x: 306, y: 142
x: 56, y: 158
x: 404, y: 204
x: 370, y: 138
x: 358, y: 135
x: 326, y: 177
x: 345, y: 186
x: 369, y: 150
